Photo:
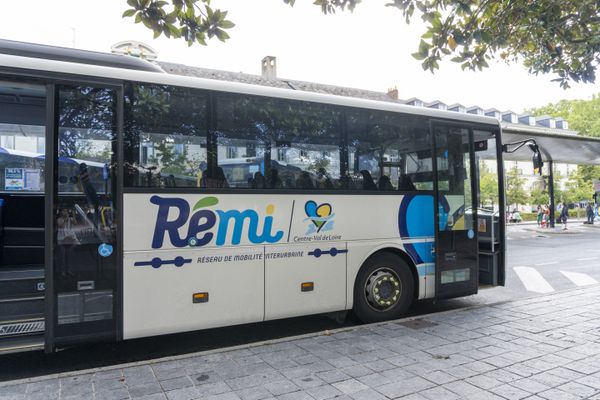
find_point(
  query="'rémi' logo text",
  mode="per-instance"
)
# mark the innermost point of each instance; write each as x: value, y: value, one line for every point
x: 202, y: 220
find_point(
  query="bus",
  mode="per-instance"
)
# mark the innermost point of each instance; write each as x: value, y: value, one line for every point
x: 135, y: 202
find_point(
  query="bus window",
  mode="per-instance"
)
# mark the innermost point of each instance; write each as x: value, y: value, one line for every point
x: 389, y: 151
x: 277, y: 144
x: 165, y: 136
x: 22, y: 137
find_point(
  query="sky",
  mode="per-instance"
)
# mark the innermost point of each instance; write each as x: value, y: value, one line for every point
x: 368, y: 49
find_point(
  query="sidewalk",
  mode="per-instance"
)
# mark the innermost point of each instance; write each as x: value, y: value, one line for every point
x: 547, y: 347
x: 573, y: 225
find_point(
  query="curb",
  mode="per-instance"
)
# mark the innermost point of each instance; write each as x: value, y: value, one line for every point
x: 275, y: 341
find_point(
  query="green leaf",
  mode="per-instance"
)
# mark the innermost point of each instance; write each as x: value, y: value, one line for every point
x: 418, y: 56
x: 221, y: 35
x: 206, y: 202
x: 227, y: 24
x: 129, y: 13
x: 424, y: 48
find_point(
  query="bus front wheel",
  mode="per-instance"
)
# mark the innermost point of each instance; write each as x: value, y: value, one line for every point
x: 383, y: 289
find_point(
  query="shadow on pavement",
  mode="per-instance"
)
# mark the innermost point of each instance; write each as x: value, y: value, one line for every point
x: 31, y: 364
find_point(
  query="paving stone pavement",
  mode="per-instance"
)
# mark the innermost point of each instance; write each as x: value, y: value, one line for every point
x: 546, y: 347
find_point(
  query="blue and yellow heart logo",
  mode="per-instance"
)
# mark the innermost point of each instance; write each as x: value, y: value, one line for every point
x: 319, y: 214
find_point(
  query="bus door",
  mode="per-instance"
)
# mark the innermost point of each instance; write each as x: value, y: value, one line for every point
x: 456, y: 247
x: 82, y: 225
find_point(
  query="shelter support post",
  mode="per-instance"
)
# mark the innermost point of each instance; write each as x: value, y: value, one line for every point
x: 551, y: 192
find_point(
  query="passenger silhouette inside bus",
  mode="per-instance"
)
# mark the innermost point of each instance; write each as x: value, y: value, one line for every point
x: 304, y: 181
x: 406, y: 184
x: 258, y: 182
x: 276, y: 182
x: 323, y: 180
x: 385, y: 183
x: 368, y: 183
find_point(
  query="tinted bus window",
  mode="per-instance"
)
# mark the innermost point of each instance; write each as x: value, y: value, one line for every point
x: 388, y: 151
x: 165, y: 136
x: 22, y: 137
x: 266, y: 143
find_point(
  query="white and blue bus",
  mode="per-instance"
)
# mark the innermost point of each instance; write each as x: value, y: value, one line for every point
x: 136, y: 202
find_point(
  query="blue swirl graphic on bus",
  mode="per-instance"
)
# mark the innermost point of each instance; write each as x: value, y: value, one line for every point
x: 320, y: 215
x: 202, y: 221
x: 416, y: 220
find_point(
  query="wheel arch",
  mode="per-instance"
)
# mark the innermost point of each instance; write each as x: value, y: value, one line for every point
x: 398, y: 252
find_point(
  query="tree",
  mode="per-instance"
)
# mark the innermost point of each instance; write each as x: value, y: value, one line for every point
x: 561, y: 37
x: 539, y: 196
x: 488, y: 185
x: 584, y: 117
x: 515, y: 193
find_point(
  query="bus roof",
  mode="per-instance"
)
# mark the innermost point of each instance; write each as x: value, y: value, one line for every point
x: 73, y: 66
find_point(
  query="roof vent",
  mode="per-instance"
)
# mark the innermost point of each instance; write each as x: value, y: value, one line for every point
x: 135, y: 49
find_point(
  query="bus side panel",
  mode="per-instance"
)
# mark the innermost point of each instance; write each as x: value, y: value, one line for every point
x: 169, y: 288
x: 413, y: 221
x: 291, y: 269
x: 204, y: 292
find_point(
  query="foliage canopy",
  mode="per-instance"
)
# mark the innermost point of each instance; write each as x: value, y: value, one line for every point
x: 561, y: 37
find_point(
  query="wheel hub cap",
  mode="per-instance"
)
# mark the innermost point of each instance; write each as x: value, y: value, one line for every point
x: 383, y: 289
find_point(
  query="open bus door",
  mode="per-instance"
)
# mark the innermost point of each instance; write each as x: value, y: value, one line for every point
x: 82, y: 251
x: 456, y: 244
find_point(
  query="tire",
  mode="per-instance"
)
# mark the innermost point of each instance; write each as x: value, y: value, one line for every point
x: 376, y: 284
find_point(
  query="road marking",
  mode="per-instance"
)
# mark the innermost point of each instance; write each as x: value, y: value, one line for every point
x: 587, y: 259
x: 547, y: 263
x: 579, y: 279
x: 533, y: 280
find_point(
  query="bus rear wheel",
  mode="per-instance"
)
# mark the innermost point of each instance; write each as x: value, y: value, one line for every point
x: 383, y: 289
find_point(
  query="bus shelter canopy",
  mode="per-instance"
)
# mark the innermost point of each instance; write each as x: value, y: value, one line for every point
x: 555, y: 145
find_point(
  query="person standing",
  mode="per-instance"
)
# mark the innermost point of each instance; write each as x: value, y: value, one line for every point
x: 564, y: 215
x: 546, y: 217
x: 590, y: 213
x: 540, y: 215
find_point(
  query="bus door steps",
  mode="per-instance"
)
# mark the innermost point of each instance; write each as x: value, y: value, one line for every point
x: 23, y: 236
x: 21, y: 327
x: 21, y: 307
x: 22, y: 281
x: 21, y: 343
